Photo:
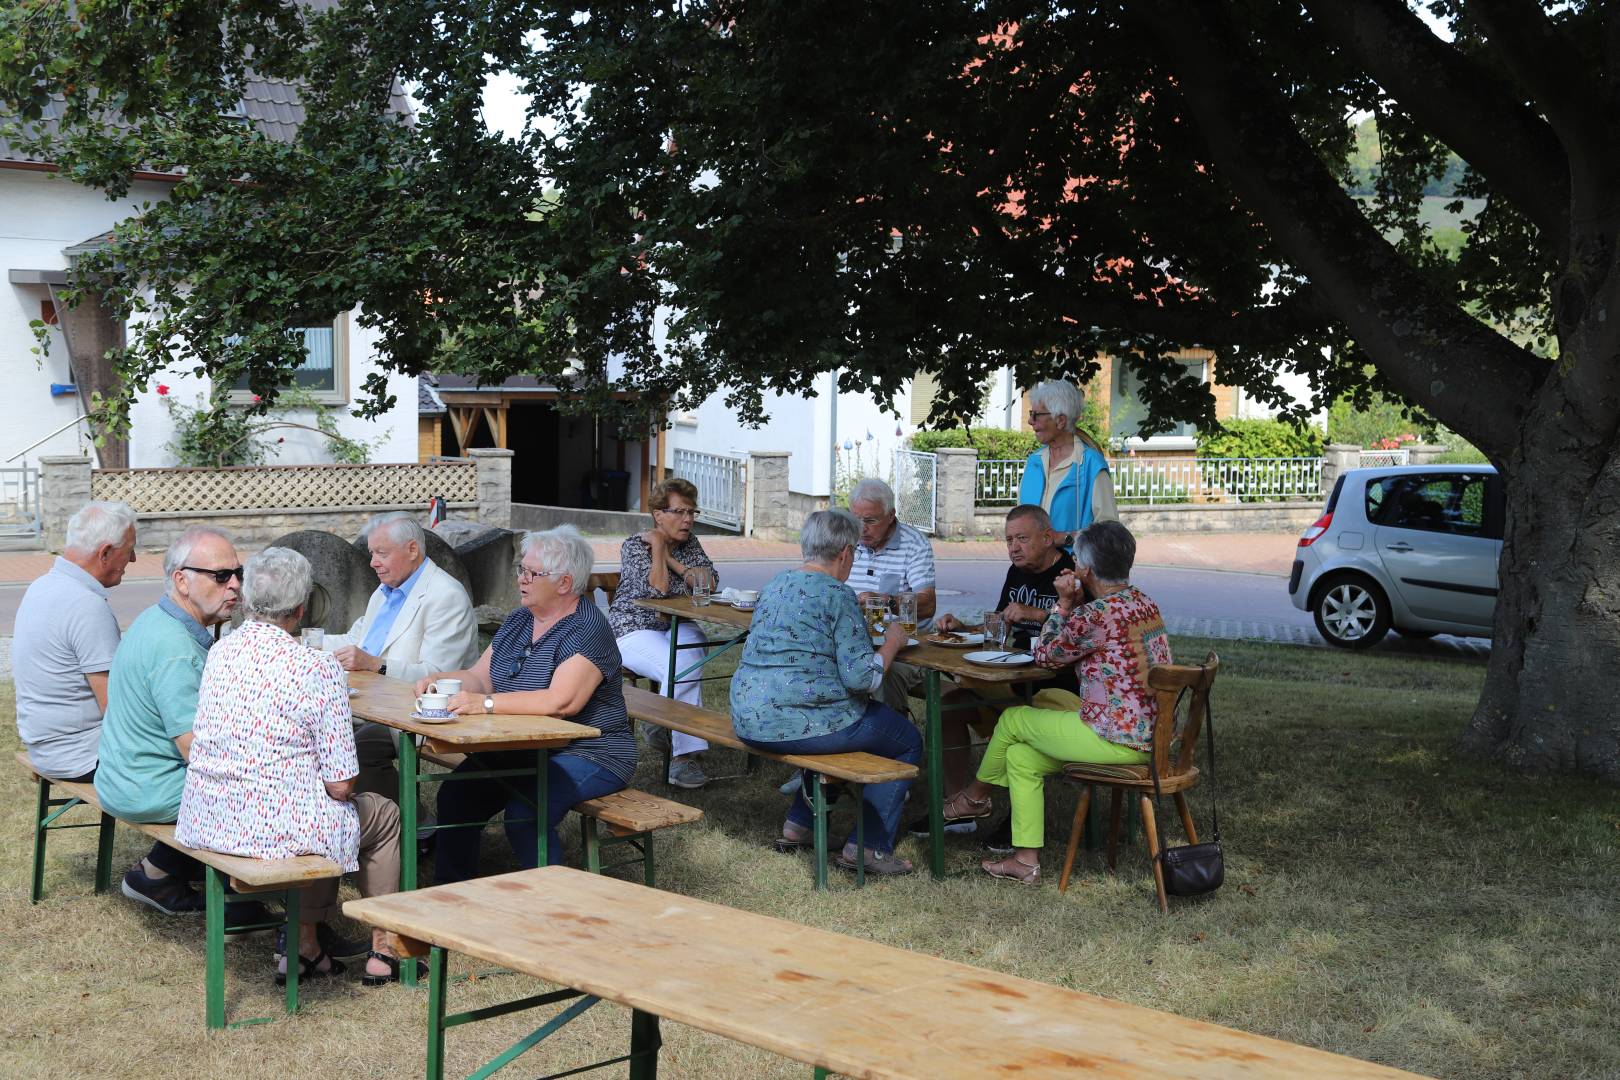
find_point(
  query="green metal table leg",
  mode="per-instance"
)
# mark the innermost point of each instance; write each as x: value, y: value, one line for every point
x: 669, y: 688
x: 104, y: 853
x: 40, y: 814
x: 860, y: 836
x: 818, y: 808
x: 214, y: 950
x: 933, y: 737
x: 644, y: 1044
x: 591, y: 843
x: 293, y: 899
x: 542, y: 802
x: 649, y: 871
x: 435, y: 1017
x: 408, y: 766
x: 821, y: 1074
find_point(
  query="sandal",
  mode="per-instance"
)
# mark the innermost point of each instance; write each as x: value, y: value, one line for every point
x: 963, y: 807
x: 368, y: 979
x: 885, y: 864
x: 793, y: 838
x: 310, y: 968
x: 1012, y: 868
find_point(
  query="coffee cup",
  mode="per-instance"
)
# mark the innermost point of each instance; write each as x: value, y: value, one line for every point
x: 432, y: 703
x: 447, y: 687
x: 747, y: 596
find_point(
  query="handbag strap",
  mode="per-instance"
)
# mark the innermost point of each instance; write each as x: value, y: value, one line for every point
x: 1153, y: 770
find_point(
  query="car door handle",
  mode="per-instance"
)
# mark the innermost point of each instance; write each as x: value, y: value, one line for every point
x: 1403, y: 546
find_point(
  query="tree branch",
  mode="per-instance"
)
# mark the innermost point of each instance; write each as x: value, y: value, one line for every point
x: 1427, y: 347
x: 1467, y: 106
x: 1547, y: 65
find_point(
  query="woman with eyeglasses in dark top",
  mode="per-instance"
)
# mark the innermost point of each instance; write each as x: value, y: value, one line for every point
x: 554, y: 656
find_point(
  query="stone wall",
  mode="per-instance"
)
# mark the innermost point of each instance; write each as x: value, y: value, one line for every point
x: 1193, y: 517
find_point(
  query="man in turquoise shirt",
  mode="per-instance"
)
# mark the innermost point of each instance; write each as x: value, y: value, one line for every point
x: 151, y: 703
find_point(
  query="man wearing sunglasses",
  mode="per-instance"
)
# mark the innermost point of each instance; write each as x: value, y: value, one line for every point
x: 151, y: 702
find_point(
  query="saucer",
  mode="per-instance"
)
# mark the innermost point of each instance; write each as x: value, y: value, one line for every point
x: 738, y: 605
x: 434, y: 716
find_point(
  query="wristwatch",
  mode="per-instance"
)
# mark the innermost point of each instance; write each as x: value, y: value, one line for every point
x: 489, y: 704
x: 382, y: 668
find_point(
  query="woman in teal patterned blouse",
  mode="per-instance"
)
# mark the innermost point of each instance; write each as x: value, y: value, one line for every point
x: 806, y: 678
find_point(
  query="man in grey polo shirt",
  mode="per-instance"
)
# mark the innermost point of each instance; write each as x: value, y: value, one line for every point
x: 63, y: 643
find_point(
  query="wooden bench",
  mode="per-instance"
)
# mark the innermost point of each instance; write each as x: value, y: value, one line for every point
x: 840, y: 1004
x: 856, y: 769
x: 631, y: 817
x: 270, y: 876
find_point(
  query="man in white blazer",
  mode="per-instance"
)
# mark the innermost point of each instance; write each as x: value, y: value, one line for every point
x: 420, y: 620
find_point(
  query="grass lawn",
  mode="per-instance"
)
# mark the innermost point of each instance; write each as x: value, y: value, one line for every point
x: 1384, y: 899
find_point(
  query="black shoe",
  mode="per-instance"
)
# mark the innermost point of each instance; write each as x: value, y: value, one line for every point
x: 960, y: 827
x: 999, y: 842
x: 311, y: 969
x: 368, y: 979
x: 169, y: 894
x: 330, y: 941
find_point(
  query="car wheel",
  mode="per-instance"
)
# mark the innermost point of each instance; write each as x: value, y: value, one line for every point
x: 1417, y: 634
x: 1352, y: 612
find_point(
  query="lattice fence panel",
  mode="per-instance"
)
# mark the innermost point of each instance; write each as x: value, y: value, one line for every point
x: 276, y: 487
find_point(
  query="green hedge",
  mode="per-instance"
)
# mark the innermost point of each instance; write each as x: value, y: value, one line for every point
x: 993, y: 444
x: 1260, y: 439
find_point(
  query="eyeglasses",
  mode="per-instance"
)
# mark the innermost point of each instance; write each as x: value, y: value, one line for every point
x: 525, y: 574
x: 517, y: 665
x: 871, y: 521
x: 220, y: 576
x: 688, y: 514
x: 1034, y: 415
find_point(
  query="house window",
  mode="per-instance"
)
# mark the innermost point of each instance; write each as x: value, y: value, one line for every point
x: 1126, y: 410
x: 325, y: 370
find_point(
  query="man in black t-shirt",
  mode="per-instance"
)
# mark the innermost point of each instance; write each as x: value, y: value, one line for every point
x: 1027, y: 596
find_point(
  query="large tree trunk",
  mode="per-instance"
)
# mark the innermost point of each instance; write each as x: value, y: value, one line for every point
x: 1550, y: 701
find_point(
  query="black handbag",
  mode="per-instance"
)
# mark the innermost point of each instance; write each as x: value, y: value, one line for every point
x: 1193, y: 869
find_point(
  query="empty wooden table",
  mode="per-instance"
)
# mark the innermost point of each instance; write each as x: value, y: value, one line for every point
x: 837, y: 1003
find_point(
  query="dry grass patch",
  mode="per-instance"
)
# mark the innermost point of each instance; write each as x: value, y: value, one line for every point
x: 1384, y: 899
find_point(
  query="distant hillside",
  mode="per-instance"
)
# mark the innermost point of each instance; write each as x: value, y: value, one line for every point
x: 1365, y: 158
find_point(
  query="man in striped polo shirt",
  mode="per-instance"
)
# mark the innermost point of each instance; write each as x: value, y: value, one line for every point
x: 891, y: 558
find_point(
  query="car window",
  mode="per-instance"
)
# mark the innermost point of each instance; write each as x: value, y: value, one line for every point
x: 1451, y: 503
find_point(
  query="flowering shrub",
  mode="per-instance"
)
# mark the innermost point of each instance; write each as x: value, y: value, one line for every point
x: 218, y: 434
x: 1394, y: 442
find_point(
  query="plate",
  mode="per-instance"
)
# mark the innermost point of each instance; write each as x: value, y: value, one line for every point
x: 877, y: 639
x: 999, y: 658
x: 427, y: 719
x: 966, y: 640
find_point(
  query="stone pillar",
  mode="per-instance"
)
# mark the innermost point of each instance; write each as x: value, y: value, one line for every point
x: 494, y: 486
x: 1423, y: 453
x: 64, y: 488
x: 954, y: 486
x: 769, y: 515
x: 1336, y: 459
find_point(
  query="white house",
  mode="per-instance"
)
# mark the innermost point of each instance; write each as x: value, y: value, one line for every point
x: 44, y: 222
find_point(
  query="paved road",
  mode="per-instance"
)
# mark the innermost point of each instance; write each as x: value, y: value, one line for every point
x: 1207, y: 603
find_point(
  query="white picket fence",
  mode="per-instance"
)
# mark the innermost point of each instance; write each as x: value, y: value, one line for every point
x: 1158, y: 481
x: 721, y: 480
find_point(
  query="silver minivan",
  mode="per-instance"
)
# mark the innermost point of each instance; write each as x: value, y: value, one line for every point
x: 1411, y: 547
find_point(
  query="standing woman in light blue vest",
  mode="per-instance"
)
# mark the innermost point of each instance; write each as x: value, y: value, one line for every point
x: 1068, y: 476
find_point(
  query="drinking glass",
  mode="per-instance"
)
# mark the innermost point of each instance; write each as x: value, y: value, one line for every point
x: 995, y: 629
x: 701, y: 582
x: 908, y: 612
x: 313, y: 637
x: 876, y: 610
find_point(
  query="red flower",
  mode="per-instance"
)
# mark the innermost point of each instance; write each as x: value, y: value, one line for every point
x: 282, y: 439
x: 163, y: 391
x: 257, y: 399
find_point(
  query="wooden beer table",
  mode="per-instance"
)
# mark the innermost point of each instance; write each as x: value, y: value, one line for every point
x: 840, y: 1004
x: 935, y: 660
x: 390, y: 702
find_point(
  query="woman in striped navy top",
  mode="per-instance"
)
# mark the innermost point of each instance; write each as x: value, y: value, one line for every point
x: 555, y: 655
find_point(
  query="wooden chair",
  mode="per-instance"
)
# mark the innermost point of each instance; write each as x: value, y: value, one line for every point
x: 1183, y: 696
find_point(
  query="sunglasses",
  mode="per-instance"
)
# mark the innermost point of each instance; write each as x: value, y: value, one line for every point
x: 517, y: 665
x: 220, y: 576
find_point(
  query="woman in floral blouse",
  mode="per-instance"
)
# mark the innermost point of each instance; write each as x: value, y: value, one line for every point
x: 273, y: 763
x: 1111, y: 642
x: 661, y: 562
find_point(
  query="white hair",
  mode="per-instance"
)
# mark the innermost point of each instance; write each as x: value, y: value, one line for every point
x: 1060, y: 398
x: 826, y: 533
x: 562, y: 551
x: 400, y: 527
x: 179, y: 552
x: 275, y: 582
x: 98, y: 525
x: 873, y: 490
